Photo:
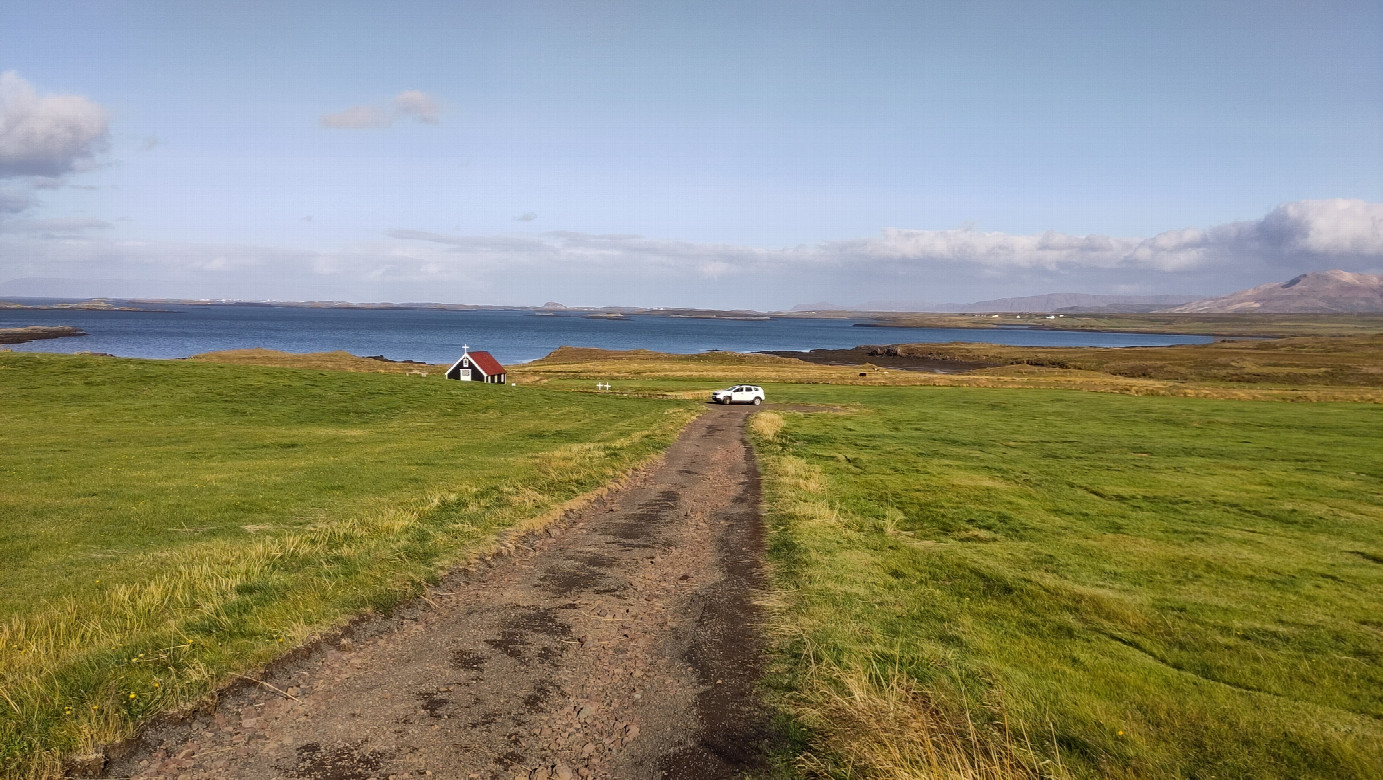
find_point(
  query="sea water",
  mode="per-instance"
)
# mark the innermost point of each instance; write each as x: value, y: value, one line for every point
x: 437, y: 335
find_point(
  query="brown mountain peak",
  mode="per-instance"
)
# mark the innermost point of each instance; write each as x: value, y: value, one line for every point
x: 1326, y: 292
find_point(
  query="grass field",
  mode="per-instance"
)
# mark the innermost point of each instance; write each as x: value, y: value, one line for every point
x: 1329, y: 361
x: 975, y: 576
x: 167, y: 524
x: 1024, y: 583
x: 1297, y: 369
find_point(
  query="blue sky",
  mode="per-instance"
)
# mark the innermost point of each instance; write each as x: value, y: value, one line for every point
x: 686, y: 154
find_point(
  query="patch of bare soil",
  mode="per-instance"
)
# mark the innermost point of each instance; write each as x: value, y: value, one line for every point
x: 884, y: 357
x: 622, y: 644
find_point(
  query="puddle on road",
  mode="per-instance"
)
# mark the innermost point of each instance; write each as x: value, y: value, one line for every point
x: 567, y: 580
x: 595, y: 559
x: 432, y: 702
x: 516, y: 631
x: 646, y: 521
x: 347, y: 762
x: 467, y: 660
x: 542, y: 692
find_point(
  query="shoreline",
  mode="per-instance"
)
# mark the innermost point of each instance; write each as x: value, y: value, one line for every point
x: 37, y: 333
x: 883, y: 357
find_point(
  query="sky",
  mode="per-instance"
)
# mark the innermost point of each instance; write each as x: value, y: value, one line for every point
x: 711, y: 154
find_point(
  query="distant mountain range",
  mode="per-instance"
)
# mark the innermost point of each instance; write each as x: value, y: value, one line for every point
x: 1321, y: 292
x: 1324, y: 292
x: 1051, y: 302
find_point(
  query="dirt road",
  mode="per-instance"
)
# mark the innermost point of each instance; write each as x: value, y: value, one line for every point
x: 622, y: 644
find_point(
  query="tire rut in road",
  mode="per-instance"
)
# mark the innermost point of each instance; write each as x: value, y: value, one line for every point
x: 623, y: 645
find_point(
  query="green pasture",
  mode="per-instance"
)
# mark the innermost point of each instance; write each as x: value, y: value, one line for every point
x: 1077, y: 584
x: 166, y: 524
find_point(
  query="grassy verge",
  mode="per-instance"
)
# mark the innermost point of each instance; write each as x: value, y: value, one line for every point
x: 165, y: 525
x: 980, y: 583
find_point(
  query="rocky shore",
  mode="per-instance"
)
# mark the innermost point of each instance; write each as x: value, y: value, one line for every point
x: 884, y: 357
x: 36, y: 332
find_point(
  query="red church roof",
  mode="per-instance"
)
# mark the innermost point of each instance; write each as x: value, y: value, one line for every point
x: 486, y: 363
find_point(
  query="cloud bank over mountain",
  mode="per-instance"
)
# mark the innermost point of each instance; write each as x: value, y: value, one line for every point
x: 584, y: 268
x: 1305, y: 231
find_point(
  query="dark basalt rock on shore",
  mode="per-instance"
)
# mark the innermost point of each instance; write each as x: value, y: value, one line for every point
x: 884, y: 357
x: 384, y: 359
x: 36, y: 332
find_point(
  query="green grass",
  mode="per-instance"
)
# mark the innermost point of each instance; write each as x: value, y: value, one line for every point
x: 969, y: 582
x: 991, y: 583
x: 164, y: 525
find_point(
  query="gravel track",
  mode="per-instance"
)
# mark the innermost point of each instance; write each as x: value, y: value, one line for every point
x: 620, y: 643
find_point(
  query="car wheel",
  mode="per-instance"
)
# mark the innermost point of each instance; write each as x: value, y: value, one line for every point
x: 758, y: 401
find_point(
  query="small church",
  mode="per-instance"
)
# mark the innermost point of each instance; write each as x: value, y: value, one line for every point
x: 476, y: 367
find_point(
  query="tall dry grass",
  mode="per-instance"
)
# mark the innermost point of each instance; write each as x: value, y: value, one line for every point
x: 766, y: 425
x: 873, y: 722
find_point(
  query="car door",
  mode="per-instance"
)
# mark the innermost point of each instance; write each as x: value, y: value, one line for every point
x: 742, y: 395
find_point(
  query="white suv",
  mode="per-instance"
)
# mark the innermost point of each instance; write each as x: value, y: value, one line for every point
x: 739, y: 394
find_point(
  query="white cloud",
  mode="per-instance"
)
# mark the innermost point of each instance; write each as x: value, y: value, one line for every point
x: 409, y: 103
x: 1292, y: 238
x: 1048, y: 250
x: 582, y: 268
x: 527, y: 216
x: 1305, y: 232
x: 418, y: 105
x: 1325, y: 227
x: 1293, y: 233
x: 357, y: 117
x: 46, y: 135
